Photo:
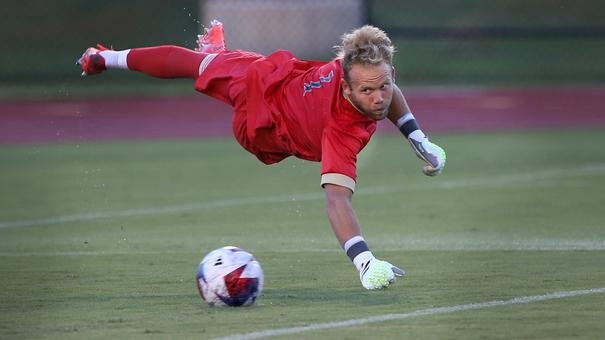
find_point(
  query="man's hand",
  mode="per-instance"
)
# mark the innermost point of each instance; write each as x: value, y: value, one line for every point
x: 432, y: 154
x: 378, y: 274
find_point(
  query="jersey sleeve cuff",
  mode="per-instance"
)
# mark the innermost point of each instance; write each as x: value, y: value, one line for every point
x: 338, y: 179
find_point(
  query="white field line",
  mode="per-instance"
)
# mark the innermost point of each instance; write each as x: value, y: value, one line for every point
x: 496, y: 181
x: 414, y: 314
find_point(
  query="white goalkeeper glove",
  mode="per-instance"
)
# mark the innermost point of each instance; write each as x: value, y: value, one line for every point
x: 377, y: 274
x: 432, y: 154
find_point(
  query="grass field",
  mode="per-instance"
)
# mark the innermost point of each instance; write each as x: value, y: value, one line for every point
x: 102, y: 240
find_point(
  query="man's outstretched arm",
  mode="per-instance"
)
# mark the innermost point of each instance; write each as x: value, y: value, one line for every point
x: 340, y: 212
x: 373, y: 273
x: 399, y: 106
x: 401, y: 115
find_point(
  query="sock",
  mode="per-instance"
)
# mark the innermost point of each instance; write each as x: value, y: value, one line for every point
x: 166, y: 61
x: 358, y: 251
x: 115, y: 59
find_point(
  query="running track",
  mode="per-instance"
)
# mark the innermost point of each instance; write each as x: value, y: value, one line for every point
x: 438, y: 110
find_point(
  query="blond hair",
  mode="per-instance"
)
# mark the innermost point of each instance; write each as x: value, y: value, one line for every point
x: 365, y: 45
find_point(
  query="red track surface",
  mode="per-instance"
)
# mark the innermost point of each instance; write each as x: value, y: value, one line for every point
x: 438, y: 110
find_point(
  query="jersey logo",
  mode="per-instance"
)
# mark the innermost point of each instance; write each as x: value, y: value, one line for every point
x: 308, y: 87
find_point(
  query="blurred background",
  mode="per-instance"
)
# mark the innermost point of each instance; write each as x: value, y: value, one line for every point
x: 440, y: 42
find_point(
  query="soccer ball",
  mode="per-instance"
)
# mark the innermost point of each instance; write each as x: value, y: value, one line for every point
x: 229, y: 276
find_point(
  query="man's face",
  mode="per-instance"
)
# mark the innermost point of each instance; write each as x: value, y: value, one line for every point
x: 370, y: 89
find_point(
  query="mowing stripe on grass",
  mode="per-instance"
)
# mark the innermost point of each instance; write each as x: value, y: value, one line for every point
x: 416, y: 313
x: 586, y: 170
x: 227, y: 203
x: 433, y: 243
x: 488, y: 242
x: 84, y: 253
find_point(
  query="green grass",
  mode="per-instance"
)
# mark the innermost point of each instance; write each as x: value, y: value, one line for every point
x: 514, y: 214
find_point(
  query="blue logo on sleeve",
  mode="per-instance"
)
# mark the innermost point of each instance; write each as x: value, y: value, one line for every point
x: 308, y: 87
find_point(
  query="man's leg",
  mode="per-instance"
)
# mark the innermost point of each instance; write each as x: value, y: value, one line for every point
x: 160, y: 61
x: 166, y: 61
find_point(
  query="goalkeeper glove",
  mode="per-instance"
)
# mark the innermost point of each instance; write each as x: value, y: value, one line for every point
x: 377, y: 274
x: 432, y: 154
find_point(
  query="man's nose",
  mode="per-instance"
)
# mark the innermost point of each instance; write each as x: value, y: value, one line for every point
x: 378, y: 98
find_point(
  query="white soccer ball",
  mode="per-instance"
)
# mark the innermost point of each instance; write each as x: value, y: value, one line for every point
x: 229, y: 276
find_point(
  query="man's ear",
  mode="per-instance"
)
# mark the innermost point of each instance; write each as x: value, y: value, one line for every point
x: 394, y: 73
x: 346, y: 88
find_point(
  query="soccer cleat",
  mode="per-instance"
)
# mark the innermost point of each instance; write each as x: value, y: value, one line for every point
x: 213, y: 39
x: 91, y: 61
x: 377, y: 274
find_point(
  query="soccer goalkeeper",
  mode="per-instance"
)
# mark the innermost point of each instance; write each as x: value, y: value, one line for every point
x: 284, y: 106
